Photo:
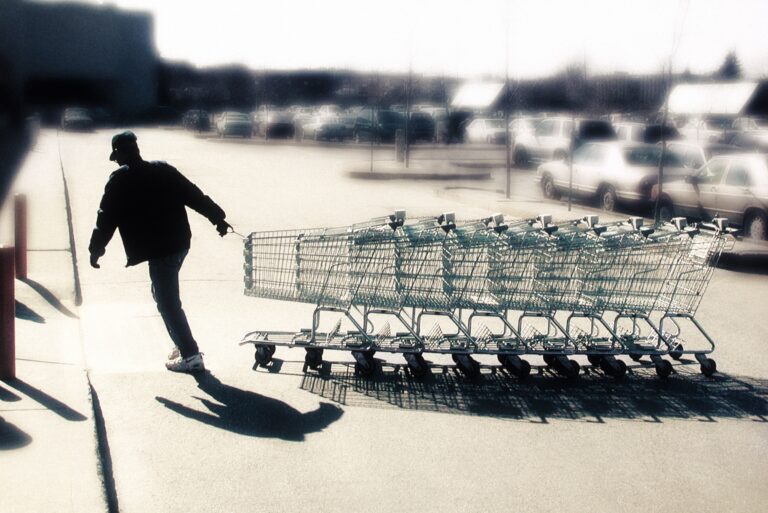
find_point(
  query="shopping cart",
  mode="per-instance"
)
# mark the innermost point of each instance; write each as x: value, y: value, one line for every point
x: 467, y: 275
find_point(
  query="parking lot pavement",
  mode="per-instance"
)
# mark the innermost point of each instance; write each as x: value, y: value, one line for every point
x: 280, y: 439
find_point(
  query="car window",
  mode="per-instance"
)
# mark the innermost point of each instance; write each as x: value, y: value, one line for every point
x: 712, y: 173
x: 738, y: 175
x: 546, y: 127
x: 622, y: 132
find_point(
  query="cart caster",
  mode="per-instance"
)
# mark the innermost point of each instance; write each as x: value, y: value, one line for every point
x: 467, y: 365
x: 550, y: 359
x: 566, y: 367
x: 365, y: 365
x: 575, y: 369
x: 615, y: 368
x: 636, y: 357
x: 677, y: 352
x: 663, y: 368
x: 416, y: 364
x: 594, y: 359
x: 708, y: 367
x: 313, y: 358
x: 516, y: 366
x: 263, y: 355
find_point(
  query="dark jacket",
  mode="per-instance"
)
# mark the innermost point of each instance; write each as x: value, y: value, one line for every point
x: 147, y: 203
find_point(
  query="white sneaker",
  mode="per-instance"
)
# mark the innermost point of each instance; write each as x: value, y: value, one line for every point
x: 174, y: 354
x: 193, y: 363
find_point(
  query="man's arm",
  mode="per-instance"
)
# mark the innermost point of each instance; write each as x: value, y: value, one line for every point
x: 106, y: 223
x: 202, y: 204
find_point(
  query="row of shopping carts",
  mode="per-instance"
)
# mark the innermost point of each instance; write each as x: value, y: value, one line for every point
x: 491, y: 287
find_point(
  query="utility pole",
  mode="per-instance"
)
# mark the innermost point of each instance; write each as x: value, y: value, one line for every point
x: 507, y: 99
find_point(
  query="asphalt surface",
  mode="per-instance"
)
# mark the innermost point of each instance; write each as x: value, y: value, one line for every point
x: 241, y: 438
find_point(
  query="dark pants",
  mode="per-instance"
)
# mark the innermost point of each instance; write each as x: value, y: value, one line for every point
x: 164, y: 273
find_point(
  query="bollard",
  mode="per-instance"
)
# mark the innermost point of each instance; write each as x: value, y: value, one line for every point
x: 7, y: 314
x: 20, y: 234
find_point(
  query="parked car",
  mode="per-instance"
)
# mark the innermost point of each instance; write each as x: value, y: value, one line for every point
x: 707, y: 129
x: 421, y: 127
x: 693, y: 155
x: 323, y: 128
x: 196, y: 119
x: 611, y: 172
x: 731, y: 186
x: 551, y: 139
x: 486, y: 130
x: 754, y: 140
x: 235, y: 124
x: 76, y: 118
x: 382, y: 127
x: 276, y: 124
x: 630, y: 132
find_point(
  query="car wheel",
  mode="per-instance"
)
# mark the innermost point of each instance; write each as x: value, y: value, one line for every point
x: 549, y: 189
x: 607, y: 198
x: 756, y: 226
x: 666, y: 211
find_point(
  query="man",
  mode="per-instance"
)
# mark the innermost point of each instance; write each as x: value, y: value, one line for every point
x: 146, y: 201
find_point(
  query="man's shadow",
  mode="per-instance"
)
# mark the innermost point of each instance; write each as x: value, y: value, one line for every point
x: 252, y: 414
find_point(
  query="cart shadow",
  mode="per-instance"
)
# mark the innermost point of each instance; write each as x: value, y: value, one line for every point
x: 251, y: 414
x: 541, y: 397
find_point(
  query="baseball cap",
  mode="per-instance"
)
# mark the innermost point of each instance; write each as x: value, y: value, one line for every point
x: 122, y: 142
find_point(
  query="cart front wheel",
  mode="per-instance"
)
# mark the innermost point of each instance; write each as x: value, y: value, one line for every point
x: 263, y: 355
x: 708, y: 367
x: 636, y: 357
x: 594, y: 359
x: 677, y: 352
x: 663, y: 368
x: 314, y: 358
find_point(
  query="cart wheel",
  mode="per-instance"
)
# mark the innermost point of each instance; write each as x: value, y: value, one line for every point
x: 467, y: 365
x: 455, y: 358
x: 663, y: 368
x: 677, y: 352
x: 594, y: 359
x: 502, y: 358
x: 271, y: 348
x: 574, y: 370
x: 263, y: 355
x: 364, y: 369
x: 417, y: 365
x: 708, y: 367
x: 313, y: 358
x: 550, y: 359
x: 517, y: 366
x: 636, y: 357
x: 620, y: 369
x: 364, y: 363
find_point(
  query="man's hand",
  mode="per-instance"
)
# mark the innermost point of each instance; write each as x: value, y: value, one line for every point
x: 95, y: 261
x: 223, y: 227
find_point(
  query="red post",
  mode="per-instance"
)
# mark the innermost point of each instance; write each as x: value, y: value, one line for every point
x: 20, y: 234
x: 7, y: 314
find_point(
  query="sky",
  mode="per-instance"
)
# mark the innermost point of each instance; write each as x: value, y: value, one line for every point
x: 467, y: 38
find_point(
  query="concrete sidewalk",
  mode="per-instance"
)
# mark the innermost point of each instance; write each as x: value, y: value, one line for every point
x: 48, y: 436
